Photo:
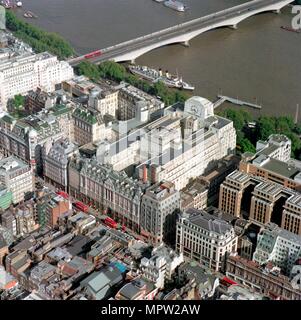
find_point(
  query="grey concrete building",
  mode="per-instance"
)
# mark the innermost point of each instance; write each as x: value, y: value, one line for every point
x: 56, y: 162
x: 159, y: 207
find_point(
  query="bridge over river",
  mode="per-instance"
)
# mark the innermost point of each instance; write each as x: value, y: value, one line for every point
x: 182, y: 33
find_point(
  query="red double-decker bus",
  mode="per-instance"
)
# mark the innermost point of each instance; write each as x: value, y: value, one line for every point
x: 93, y: 54
x: 227, y: 282
x: 79, y: 205
x: 110, y: 223
x: 63, y: 194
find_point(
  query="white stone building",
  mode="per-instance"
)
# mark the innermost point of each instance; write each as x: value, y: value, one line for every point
x: 17, y: 177
x: 161, y: 265
x: 20, y: 74
x: 278, y: 146
x: 278, y: 246
x: 104, y: 100
x: 178, y: 146
x: 205, y: 238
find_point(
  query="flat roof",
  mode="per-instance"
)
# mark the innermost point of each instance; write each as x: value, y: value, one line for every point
x: 281, y: 168
x: 268, y: 150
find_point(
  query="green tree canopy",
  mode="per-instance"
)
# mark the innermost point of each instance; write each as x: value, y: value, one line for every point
x: 265, y: 126
x: 247, y: 146
x: 239, y: 117
x: 114, y: 71
x: 18, y: 101
x: 89, y: 70
x: 38, y: 39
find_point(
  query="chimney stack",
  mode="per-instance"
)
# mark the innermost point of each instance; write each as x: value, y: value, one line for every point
x: 144, y: 174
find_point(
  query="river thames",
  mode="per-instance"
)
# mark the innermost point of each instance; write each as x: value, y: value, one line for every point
x: 258, y: 62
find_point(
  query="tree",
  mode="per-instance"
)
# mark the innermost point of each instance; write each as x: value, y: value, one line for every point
x: 247, y: 146
x: 180, y: 96
x: 297, y: 129
x: 112, y: 70
x: 296, y: 144
x: 38, y: 39
x: 89, y: 70
x: 239, y: 117
x: 284, y: 124
x: 131, y: 79
x: 265, y: 126
x: 18, y: 101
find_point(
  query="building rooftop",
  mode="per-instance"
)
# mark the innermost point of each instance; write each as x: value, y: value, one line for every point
x: 87, y: 116
x: 161, y: 191
x: 105, y: 172
x: 268, y: 150
x: 41, y: 270
x: 59, y: 254
x: 269, y: 188
x: 276, y: 231
x: 193, y: 269
x: 79, y: 245
x: 81, y: 265
x: 6, y: 279
x: 138, y: 94
x: 25, y: 244
x: 281, y: 168
x: 26, y: 57
x: 133, y: 289
x: 101, y: 246
x: 207, y: 221
x: 11, y: 164
x: 295, y: 200
x: 35, y: 296
x: 61, y: 150
x: 239, y: 176
x: 99, y: 282
x: 240, y: 293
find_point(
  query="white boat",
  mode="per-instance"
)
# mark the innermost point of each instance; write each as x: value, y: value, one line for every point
x: 155, y: 76
x: 19, y: 4
x: 159, y: 0
x: 176, y: 5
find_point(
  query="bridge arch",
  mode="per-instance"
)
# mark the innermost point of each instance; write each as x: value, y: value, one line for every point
x: 184, y: 38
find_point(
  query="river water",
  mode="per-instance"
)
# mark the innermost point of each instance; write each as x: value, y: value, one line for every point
x: 259, y: 62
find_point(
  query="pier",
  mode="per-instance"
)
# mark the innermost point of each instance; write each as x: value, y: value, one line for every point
x: 219, y: 101
x: 236, y: 101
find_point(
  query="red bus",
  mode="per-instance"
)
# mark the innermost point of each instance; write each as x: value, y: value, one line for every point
x: 79, y: 205
x: 63, y: 194
x: 110, y: 223
x: 93, y: 54
x: 227, y: 282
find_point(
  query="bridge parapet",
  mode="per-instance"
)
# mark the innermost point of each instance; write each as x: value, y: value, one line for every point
x: 131, y: 49
x: 191, y: 22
